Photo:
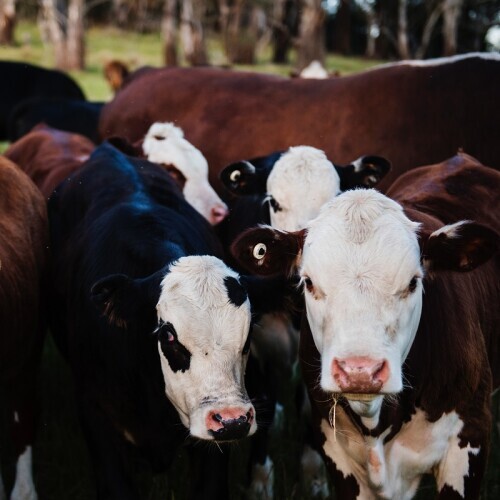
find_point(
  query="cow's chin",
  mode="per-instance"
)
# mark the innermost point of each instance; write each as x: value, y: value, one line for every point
x: 365, y: 405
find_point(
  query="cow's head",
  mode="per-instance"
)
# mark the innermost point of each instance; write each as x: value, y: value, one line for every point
x: 361, y: 265
x: 298, y: 182
x: 202, y: 333
x: 165, y: 144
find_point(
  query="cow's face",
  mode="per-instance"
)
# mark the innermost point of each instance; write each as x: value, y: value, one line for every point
x: 165, y: 144
x: 203, y: 342
x: 202, y: 333
x: 360, y: 264
x: 300, y: 183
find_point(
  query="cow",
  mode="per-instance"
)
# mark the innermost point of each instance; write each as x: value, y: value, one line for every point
x: 22, y: 80
x: 164, y: 144
x: 23, y: 269
x: 115, y: 72
x: 71, y: 115
x: 414, y: 113
x: 399, y: 380
x: 49, y: 156
x: 154, y: 325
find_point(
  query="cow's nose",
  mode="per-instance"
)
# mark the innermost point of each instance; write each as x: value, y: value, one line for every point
x: 229, y: 423
x: 218, y: 214
x: 360, y: 374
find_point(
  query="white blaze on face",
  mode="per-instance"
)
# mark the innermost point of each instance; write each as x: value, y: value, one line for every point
x: 364, y: 296
x: 165, y: 144
x: 301, y: 182
x: 213, y: 330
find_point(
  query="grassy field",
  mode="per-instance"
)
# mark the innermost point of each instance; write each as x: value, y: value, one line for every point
x: 62, y: 468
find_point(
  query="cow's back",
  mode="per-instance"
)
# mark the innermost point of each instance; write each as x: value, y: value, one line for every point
x: 413, y: 114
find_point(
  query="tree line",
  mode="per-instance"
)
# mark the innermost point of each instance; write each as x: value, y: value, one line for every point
x: 388, y: 29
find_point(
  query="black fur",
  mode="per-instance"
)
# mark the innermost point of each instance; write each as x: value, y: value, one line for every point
x: 235, y: 291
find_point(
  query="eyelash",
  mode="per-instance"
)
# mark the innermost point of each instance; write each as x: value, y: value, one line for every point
x: 308, y: 284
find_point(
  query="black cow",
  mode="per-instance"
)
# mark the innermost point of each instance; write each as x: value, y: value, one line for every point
x: 21, y: 80
x: 155, y: 326
x: 71, y: 115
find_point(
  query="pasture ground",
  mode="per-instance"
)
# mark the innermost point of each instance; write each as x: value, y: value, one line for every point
x: 61, y: 462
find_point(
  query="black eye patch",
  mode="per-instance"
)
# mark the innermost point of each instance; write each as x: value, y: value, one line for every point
x: 178, y: 357
x: 235, y: 291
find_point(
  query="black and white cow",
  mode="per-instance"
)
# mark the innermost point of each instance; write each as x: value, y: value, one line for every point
x: 154, y: 325
x: 399, y: 380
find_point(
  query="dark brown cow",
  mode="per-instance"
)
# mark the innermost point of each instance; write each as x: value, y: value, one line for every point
x: 23, y: 259
x: 412, y: 113
x: 399, y: 380
x: 49, y: 156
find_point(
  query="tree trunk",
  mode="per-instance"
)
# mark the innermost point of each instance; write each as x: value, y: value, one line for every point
x: 342, y: 34
x: 311, y: 43
x: 169, y: 32
x: 372, y: 31
x: 75, y: 36
x: 282, y: 26
x: 191, y: 32
x: 428, y: 28
x: 451, y: 15
x: 55, y: 30
x: 7, y: 21
x: 403, y: 49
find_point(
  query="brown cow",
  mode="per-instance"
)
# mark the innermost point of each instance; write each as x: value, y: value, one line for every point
x: 412, y: 113
x: 49, y: 155
x: 23, y: 260
x: 399, y: 380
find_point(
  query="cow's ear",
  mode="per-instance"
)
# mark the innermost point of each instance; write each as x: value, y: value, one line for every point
x: 365, y: 172
x: 462, y: 246
x: 122, y: 299
x: 249, y: 176
x: 266, y: 251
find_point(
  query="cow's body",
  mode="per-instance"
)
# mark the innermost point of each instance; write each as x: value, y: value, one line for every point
x: 436, y: 415
x: 120, y: 215
x: 49, y: 156
x: 23, y: 267
x: 71, y: 115
x: 21, y: 81
x: 412, y: 114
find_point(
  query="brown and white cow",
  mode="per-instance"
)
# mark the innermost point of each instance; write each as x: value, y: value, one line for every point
x: 399, y: 380
x: 49, y: 155
x: 415, y: 113
x: 23, y: 260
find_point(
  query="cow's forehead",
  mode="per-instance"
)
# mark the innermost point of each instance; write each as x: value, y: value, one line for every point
x: 361, y: 233
x: 200, y: 284
x: 306, y: 168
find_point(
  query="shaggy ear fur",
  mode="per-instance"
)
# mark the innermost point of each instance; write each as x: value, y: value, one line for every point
x: 249, y: 176
x: 365, y: 172
x: 123, y: 300
x: 266, y: 251
x: 462, y: 246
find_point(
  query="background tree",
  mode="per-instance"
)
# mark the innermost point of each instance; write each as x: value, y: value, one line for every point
x: 191, y: 32
x: 311, y: 41
x: 169, y: 32
x: 7, y: 21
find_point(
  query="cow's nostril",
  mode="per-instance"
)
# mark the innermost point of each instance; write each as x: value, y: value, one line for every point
x: 217, y: 417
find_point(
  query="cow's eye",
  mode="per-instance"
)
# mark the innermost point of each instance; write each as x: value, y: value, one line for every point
x: 235, y: 176
x: 413, y: 284
x: 275, y: 205
x: 308, y: 284
x: 166, y: 334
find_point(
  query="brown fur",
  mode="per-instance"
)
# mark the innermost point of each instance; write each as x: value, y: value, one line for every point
x: 411, y: 115
x: 115, y: 73
x: 23, y: 258
x: 49, y: 156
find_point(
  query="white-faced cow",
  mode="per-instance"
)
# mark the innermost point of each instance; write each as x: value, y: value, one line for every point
x: 164, y: 144
x: 154, y: 325
x: 414, y: 113
x: 23, y: 268
x: 400, y: 336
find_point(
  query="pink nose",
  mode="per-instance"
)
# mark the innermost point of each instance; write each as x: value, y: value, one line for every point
x: 229, y: 423
x: 218, y: 214
x: 360, y: 374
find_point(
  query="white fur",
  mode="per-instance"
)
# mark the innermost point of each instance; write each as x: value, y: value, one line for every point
x: 440, y: 61
x: 361, y: 252
x: 450, y: 230
x: 314, y: 70
x: 301, y: 181
x: 394, y: 469
x: 173, y: 149
x: 194, y: 299
x: 24, y: 487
